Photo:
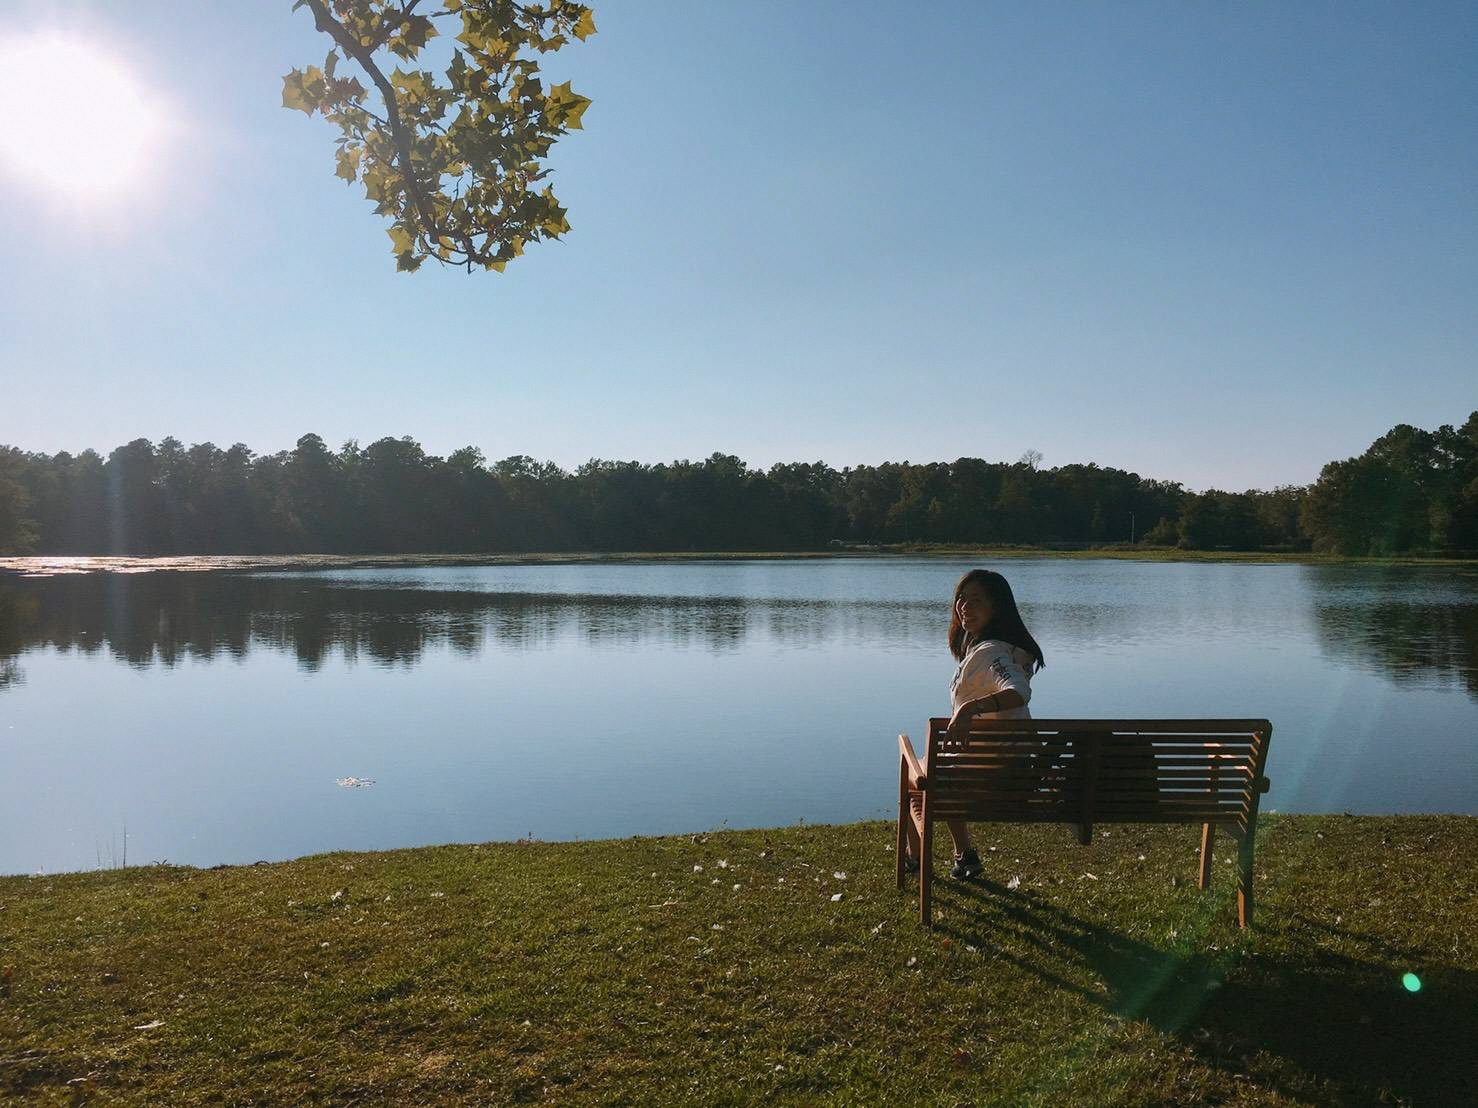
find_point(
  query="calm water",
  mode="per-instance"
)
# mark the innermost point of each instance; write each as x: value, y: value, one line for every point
x: 212, y: 714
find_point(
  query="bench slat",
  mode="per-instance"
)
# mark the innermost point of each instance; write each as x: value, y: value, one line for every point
x: 1170, y: 761
x: 1067, y: 774
x: 1128, y: 726
x: 1234, y: 820
x: 945, y: 780
x: 1018, y: 747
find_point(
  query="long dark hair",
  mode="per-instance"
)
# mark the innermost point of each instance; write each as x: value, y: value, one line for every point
x: 1005, y: 620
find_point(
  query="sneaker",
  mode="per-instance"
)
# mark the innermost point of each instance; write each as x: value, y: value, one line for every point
x: 967, y: 867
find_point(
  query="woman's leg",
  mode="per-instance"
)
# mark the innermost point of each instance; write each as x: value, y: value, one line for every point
x: 959, y: 831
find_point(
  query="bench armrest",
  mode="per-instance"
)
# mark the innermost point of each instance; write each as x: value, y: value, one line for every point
x: 916, y: 778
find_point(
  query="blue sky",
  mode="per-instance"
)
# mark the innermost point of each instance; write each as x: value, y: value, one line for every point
x: 1214, y: 244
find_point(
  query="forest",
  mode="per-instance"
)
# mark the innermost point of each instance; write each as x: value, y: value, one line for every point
x: 1412, y: 491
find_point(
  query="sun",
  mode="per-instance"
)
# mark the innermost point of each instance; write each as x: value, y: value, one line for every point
x: 73, y: 119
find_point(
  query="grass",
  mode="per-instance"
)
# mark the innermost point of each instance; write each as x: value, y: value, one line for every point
x: 1141, y: 553
x: 622, y: 972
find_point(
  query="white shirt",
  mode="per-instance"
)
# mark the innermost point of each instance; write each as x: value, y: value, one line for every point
x: 990, y: 667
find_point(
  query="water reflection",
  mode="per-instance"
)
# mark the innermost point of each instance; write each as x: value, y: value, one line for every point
x: 1418, y: 645
x: 1417, y: 628
x: 17, y: 613
x: 162, y: 619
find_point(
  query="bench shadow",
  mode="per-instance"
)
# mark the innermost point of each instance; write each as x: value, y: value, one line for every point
x: 1321, y: 1024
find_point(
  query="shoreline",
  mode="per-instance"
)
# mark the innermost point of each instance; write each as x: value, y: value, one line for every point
x: 60, y: 565
x: 801, y: 826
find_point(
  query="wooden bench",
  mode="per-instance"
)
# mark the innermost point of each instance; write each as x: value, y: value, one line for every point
x: 1086, y: 771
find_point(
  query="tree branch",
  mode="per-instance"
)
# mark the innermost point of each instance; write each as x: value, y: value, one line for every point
x: 421, y: 204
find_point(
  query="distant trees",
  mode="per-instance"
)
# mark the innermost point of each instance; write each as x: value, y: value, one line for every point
x: 1252, y: 520
x: 1411, y: 491
x: 17, y: 530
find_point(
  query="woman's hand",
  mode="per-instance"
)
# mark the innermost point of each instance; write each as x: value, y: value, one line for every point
x: 959, y: 724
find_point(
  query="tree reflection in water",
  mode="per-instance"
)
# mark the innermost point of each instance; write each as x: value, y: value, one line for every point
x: 1416, y: 628
x: 1417, y: 631
x: 162, y: 618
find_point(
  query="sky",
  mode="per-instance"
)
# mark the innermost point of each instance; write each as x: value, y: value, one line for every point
x: 1214, y: 244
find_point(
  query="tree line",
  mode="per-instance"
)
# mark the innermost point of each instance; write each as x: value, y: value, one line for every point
x: 1411, y: 491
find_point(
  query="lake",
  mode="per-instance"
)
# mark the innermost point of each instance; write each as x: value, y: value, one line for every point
x: 210, y: 717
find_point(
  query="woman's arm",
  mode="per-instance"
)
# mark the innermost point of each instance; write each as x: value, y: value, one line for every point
x: 1003, y: 701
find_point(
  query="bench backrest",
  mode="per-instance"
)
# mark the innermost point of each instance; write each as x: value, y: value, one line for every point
x: 1099, y: 770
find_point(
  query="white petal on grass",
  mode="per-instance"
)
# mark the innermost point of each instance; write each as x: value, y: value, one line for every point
x: 1014, y: 883
x: 149, y: 1026
x: 839, y: 875
x: 837, y: 896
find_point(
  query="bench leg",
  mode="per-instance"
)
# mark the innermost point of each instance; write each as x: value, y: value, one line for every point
x: 900, y: 846
x: 1244, y: 880
x: 1208, y: 832
x: 926, y: 869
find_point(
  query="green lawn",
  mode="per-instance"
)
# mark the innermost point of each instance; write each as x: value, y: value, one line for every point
x: 720, y: 968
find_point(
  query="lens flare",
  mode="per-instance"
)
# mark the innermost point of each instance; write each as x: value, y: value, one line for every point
x: 1412, y: 982
x: 73, y: 118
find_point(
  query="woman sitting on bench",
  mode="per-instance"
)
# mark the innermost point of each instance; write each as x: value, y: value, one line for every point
x: 997, y: 657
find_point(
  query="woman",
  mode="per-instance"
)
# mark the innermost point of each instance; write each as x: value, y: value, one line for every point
x: 997, y: 657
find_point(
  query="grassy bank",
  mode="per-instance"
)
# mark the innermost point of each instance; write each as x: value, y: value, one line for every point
x: 1126, y: 552
x: 46, y: 565
x: 724, y: 968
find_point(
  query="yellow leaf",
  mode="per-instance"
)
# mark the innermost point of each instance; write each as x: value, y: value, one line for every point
x: 294, y: 95
x: 402, y: 239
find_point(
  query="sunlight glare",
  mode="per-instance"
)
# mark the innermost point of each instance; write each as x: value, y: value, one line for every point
x: 73, y: 118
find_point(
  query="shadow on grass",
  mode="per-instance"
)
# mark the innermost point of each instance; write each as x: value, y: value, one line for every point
x: 1302, y: 1019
